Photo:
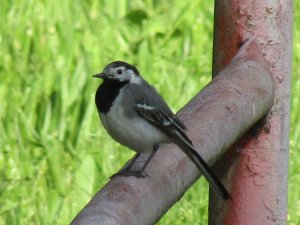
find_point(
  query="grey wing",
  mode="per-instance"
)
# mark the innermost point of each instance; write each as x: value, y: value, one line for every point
x: 159, y: 117
x: 153, y: 108
x: 156, y: 111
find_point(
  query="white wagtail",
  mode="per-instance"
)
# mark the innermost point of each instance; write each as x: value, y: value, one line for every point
x: 135, y: 115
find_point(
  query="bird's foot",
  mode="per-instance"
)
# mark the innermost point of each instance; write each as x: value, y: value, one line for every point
x: 127, y: 173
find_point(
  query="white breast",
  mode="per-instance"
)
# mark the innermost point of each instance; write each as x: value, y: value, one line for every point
x: 135, y: 133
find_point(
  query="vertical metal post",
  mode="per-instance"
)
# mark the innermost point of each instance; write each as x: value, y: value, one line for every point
x: 256, y: 167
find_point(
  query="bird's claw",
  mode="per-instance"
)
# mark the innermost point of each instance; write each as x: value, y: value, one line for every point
x: 127, y: 173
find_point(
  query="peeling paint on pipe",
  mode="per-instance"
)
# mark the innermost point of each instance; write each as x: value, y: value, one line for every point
x: 257, y: 165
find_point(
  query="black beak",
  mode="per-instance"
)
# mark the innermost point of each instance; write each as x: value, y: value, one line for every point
x: 100, y: 75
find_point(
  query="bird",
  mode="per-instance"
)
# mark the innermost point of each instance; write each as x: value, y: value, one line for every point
x: 135, y: 115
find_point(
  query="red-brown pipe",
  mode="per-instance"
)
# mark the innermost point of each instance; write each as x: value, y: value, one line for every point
x: 256, y: 166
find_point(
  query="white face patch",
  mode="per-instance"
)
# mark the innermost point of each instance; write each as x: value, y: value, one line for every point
x: 122, y: 74
x: 135, y: 79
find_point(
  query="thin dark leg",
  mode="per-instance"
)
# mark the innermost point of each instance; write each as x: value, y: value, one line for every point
x: 127, y: 170
x: 131, y: 162
x: 127, y: 167
x: 155, y: 148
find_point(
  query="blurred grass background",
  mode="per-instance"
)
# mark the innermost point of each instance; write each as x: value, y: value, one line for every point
x: 54, y: 154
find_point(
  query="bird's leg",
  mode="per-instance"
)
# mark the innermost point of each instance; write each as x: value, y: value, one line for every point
x: 133, y: 168
x: 155, y: 148
x: 127, y: 166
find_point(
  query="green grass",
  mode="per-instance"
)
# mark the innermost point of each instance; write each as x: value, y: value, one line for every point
x: 54, y: 154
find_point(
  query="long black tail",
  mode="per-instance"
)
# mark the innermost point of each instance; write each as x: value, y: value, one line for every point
x: 188, y: 148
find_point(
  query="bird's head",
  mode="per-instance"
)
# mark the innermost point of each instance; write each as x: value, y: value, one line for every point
x: 120, y: 71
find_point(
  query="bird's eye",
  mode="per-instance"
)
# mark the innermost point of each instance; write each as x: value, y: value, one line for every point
x: 119, y: 71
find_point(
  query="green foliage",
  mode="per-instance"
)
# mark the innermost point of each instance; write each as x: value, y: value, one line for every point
x: 294, y: 175
x: 54, y: 154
